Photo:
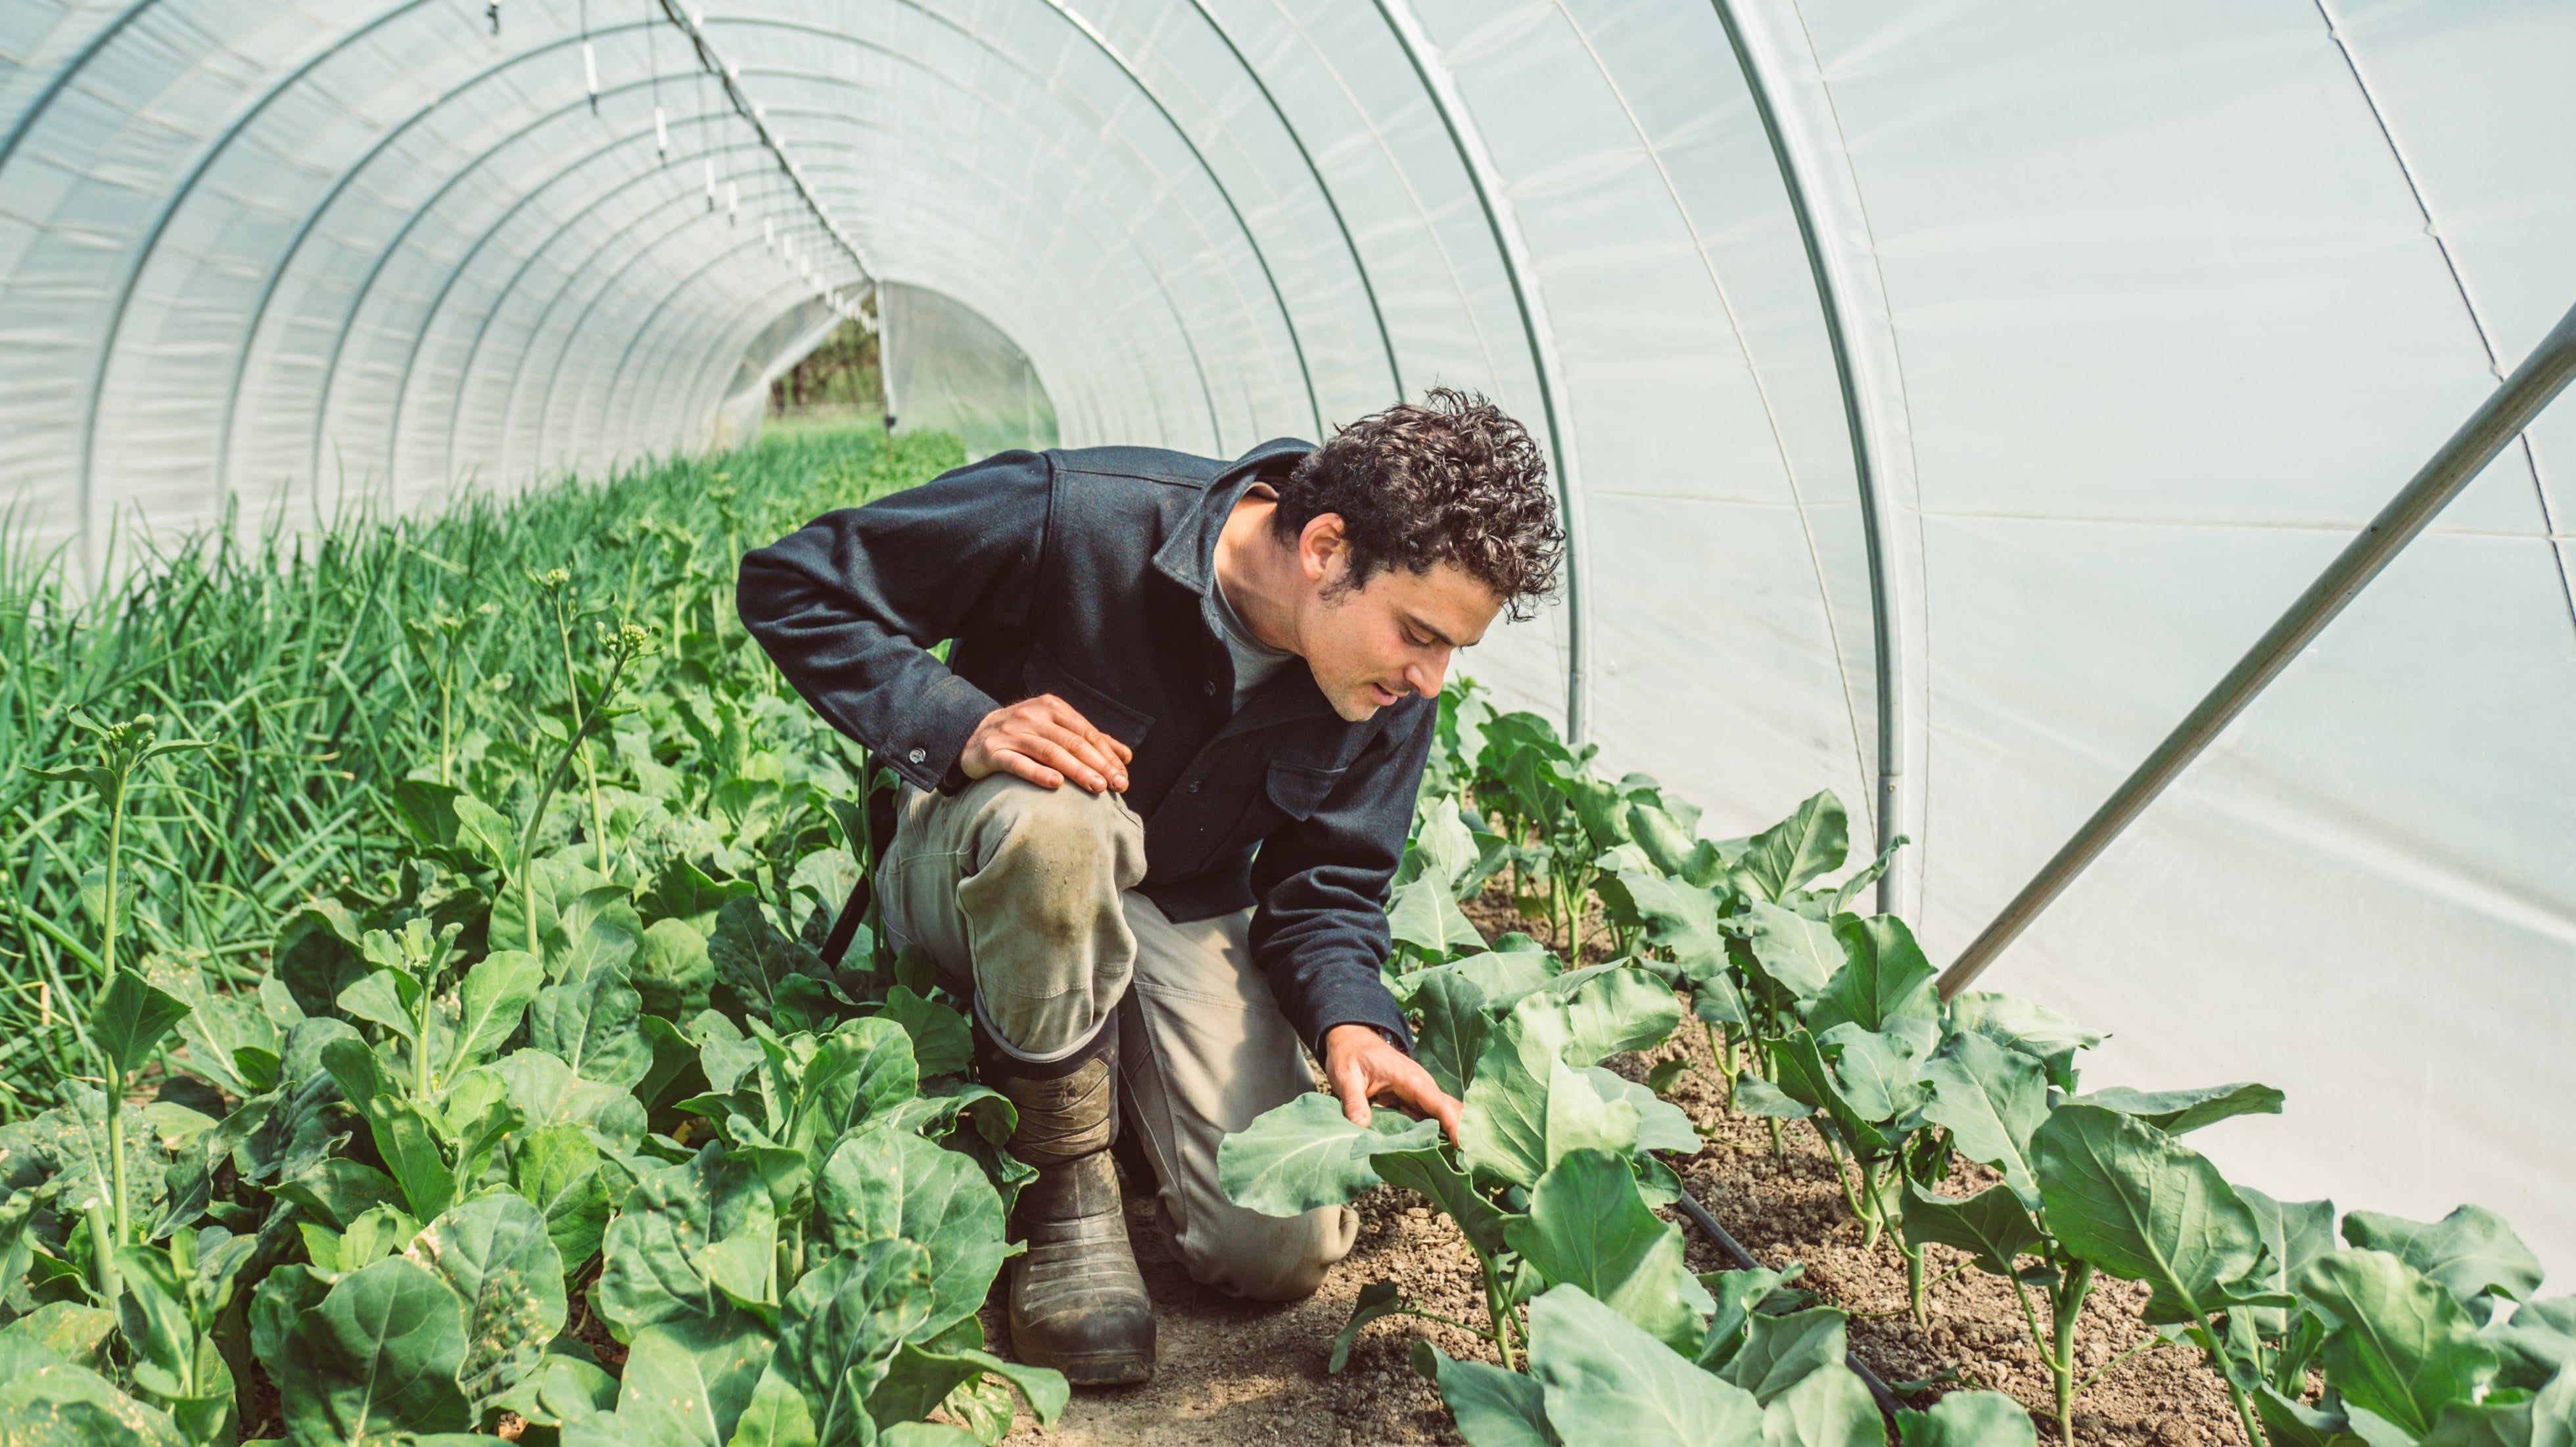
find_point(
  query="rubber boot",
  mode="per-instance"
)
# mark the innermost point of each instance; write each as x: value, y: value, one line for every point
x: 1077, y: 1301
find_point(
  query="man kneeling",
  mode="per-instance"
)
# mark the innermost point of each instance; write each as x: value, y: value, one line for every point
x: 1232, y: 663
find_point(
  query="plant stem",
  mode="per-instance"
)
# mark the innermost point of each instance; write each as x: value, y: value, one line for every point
x: 1499, y: 1315
x: 103, y: 1258
x: 116, y: 1150
x: 1722, y: 1050
x: 2066, y: 1305
x: 1914, y: 1288
x: 2235, y: 1394
x: 115, y: 848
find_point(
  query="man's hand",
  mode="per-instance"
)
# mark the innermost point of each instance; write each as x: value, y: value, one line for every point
x: 1362, y: 1066
x: 1045, y: 741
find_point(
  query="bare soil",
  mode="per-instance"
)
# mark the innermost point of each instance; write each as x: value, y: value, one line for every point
x: 1242, y: 1373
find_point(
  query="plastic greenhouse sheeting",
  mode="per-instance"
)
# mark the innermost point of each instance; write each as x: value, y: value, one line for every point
x: 2098, y: 326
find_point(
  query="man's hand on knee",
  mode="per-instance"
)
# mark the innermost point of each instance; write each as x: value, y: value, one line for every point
x: 1362, y: 1067
x: 1045, y: 741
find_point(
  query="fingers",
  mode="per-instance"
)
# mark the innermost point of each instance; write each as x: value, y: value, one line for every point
x: 1008, y: 761
x: 1408, y: 1082
x: 1354, y: 1093
x: 1061, y: 759
x: 1048, y: 729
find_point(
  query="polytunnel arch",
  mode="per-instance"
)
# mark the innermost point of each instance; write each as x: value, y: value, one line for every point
x: 1827, y: 282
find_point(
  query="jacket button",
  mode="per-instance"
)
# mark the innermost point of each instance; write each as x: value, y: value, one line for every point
x: 916, y: 756
x: 1194, y: 786
x: 1209, y: 688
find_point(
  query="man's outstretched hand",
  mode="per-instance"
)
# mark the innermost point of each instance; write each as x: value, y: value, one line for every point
x: 1363, y: 1067
x: 1045, y: 741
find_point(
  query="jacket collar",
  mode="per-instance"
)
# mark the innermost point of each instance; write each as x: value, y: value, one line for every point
x: 1188, y: 556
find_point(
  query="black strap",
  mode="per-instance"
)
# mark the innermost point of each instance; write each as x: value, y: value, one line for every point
x: 876, y: 812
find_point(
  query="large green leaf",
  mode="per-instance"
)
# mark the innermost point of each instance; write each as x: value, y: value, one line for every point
x: 495, y: 1254
x: 1453, y: 1031
x: 1428, y: 1171
x: 776, y: 1416
x: 48, y: 1402
x: 923, y: 1375
x: 953, y: 1212
x: 1829, y: 1407
x: 670, y: 969
x: 687, y: 1382
x: 1798, y: 954
x: 1677, y: 852
x: 656, y: 1265
x: 858, y: 1195
x: 1794, y: 852
x: 2036, y: 1031
x: 495, y: 993
x: 1992, y: 1099
x: 1493, y: 1407
x: 2398, y: 1344
x: 584, y: 923
x: 1880, y: 1072
x: 1661, y: 1125
x: 842, y: 1324
x: 1517, y: 1124
x: 1798, y: 1068
x: 2177, y: 1111
x: 1609, y: 1384
x: 593, y: 1023
x: 942, y: 1044
x: 1306, y: 1154
x: 379, y: 1354
x: 1885, y: 978
x: 131, y: 1017
x: 1425, y: 915
x: 752, y: 957
x: 559, y: 1170
x: 2545, y: 1419
x: 1968, y: 1419
x: 2294, y: 1234
x: 219, y: 1025
x: 2289, y: 1423
x: 1683, y: 918
x: 1779, y: 1352
x: 2471, y: 1251
x: 2537, y: 1343
x: 2144, y: 1207
x: 404, y: 1134
x: 1587, y: 1226
x: 860, y: 1072
x: 1992, y: 1226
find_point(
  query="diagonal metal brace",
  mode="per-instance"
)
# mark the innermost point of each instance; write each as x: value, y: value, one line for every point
x: 2496, y: 422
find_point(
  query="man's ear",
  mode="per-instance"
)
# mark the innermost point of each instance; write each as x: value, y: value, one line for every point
x: 1322, y: 546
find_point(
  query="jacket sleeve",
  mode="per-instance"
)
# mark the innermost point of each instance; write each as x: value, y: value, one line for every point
x: 1319, y: 932
x: 849, y: 605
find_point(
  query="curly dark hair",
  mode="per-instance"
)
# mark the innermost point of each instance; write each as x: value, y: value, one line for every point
x: 1452, y: 480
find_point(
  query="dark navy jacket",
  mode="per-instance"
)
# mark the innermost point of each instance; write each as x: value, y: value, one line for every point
x: 1083, y: 573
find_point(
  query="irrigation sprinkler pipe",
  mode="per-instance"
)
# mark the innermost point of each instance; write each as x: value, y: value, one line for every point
x: 2496, y: 423
x: 1888, y: 1405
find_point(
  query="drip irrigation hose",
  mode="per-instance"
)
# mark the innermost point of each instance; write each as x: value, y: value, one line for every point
x: 1888, y: 1406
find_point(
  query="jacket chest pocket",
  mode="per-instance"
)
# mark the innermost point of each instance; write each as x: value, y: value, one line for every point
x: 1043, y: 673
x: 1223, y: 818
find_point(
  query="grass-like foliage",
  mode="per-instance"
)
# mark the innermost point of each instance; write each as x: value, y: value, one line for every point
x: 316, y: 669
x: 541, y: 1105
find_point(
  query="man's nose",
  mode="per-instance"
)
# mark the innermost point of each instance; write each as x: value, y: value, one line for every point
x: 1425, y: 677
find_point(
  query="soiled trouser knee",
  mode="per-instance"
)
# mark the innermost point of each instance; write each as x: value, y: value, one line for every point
x: 1025, y: 896
x: 1205, y: 1049
x: 1016, y: 890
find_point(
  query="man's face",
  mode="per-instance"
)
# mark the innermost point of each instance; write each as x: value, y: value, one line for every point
x: 1370, y: 646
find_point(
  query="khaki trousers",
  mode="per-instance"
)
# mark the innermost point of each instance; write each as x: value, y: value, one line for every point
x: 1025, y: 898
